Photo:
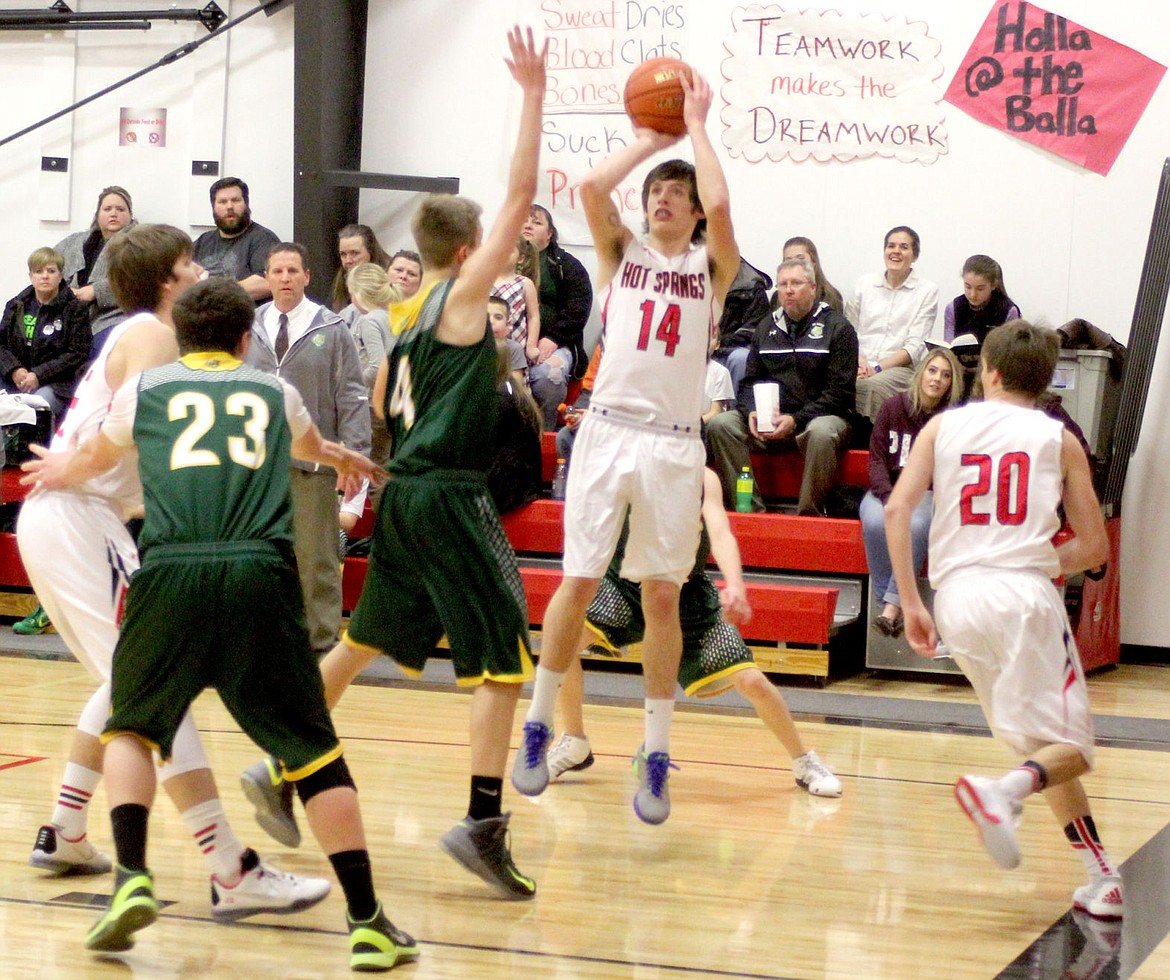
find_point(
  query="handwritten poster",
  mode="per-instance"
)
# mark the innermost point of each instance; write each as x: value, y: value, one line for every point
x: 593, y: 47
x: 1064, y: 88
x: 827, y: 85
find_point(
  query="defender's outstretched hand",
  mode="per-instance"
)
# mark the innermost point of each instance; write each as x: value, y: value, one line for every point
x: 526, y: 63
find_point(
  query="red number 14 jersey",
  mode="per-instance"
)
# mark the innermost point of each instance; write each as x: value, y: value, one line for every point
x: 656, y: 317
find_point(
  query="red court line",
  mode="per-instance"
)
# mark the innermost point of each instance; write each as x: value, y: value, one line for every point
x: 24, y: 760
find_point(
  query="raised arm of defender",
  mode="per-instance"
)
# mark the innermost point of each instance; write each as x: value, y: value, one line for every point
x: 464, y: 315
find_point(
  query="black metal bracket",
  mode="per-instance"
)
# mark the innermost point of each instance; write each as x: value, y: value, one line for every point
x: 61, y: 17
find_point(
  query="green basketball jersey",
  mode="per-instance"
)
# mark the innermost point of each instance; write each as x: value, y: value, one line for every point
x: 213, y: 453
x: 440, y: 398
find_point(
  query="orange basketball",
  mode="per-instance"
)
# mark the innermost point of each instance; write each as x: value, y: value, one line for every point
x: 654, y: 95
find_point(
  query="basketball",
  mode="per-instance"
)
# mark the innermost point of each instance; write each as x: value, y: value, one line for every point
x: 654, y: 95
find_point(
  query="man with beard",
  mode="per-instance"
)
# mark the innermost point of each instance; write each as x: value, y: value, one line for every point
x: 238, y: 248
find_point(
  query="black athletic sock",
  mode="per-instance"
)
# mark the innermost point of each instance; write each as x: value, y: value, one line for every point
x: 357, y: 881
x: 485, y: 797
x: 128, y: 822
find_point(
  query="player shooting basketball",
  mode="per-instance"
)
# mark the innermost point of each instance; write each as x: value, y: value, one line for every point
x: 639, y: 447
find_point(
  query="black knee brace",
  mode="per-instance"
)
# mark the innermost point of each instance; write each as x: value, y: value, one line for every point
x: 330, y: 776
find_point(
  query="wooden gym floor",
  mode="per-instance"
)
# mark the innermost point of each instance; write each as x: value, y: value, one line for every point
x: 750, y: 877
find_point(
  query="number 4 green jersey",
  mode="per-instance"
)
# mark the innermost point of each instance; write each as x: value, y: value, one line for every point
x: 213, y: 449
x: 440, y: 398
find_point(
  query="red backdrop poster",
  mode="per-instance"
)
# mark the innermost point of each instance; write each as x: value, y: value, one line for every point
x: 1044, y: 79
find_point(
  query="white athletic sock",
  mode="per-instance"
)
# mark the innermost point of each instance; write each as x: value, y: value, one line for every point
x: 659, y: 712
x: 544, y: 695
x: 1082, y: 834
x: 208, y: 826
x: 1019, y: 783
x: 71, y: 814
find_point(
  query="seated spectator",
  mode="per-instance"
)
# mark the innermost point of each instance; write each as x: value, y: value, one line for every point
x: 84, y: 253
x: 576, y: 412
x: 514, y: 478
x: 803, y: 248
x: 356, y: 245
x: 746, y: 302
x: 498, y: 320
x: 934, y: 387
x: 984, y: 303
x: 717, y: 388
x: 810, y: 350
x: 893, y: 313
x: 44, y: 335
x: 518, y: 289
x: 968, y: 318
x: 237, y: 247
x: 566, y: 297
x: 406, y: 271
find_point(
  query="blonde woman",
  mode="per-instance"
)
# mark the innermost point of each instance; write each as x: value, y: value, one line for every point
x: 370, y: 291
x: 936, y: 385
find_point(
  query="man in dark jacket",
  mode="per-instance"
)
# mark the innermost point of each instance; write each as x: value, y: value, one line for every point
x: 44, y: 335
x: 811, y: 352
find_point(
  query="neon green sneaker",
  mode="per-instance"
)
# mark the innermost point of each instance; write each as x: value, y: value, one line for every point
x: 377, y: 945
x: 35, y: 623
x: 133, y: 907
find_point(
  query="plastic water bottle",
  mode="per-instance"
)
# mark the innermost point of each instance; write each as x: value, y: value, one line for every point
x: 558, y: 481
x: 743, y: 491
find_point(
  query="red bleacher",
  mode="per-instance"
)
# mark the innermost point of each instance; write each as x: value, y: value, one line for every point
x: 767, y: 542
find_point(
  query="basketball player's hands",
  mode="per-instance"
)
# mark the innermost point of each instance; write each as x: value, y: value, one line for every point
x: 46, y: 470
x: 920, y: 629
x: 526, y: 63
x: 697, y: 98
x: 353, y: 469
x: 734, y: 602
x: 654, y: 140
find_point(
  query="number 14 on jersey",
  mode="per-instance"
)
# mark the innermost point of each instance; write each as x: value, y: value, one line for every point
x: 667, y: 331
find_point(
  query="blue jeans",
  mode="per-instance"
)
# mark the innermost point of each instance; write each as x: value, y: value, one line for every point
x: 877, y: 552
x: 736, y: 363
x: 550, y: 385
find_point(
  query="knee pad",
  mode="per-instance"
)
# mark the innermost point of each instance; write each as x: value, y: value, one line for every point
x: 187, y: 753
x: 329, y: 776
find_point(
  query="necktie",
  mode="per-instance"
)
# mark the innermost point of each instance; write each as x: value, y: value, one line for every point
x: 282, y: 338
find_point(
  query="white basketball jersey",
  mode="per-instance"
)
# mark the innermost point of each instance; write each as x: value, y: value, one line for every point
x: 997, y: 485
x: 656, y: 318
x: 87, y: 411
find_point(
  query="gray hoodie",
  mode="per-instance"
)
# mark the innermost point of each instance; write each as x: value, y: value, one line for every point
x: 323, y: 366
